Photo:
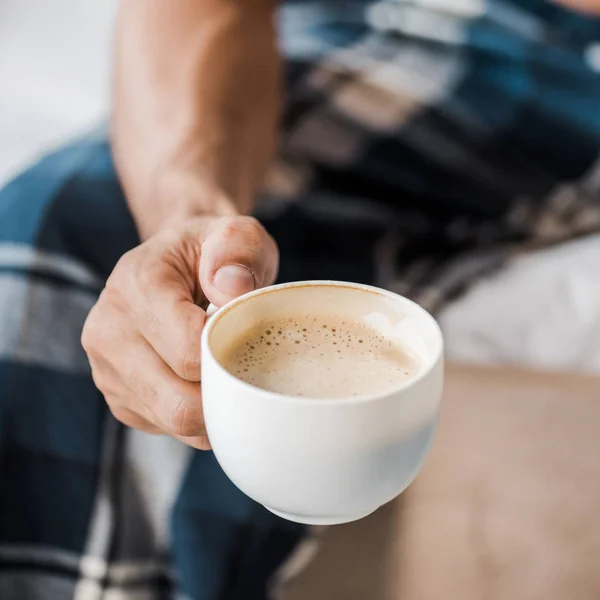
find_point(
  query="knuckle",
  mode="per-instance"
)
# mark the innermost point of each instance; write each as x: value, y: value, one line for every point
x: 254, y: 231
x: 98, y: 332
x: 186, y: 359
x: 124, y: 270
x: 135, y: 272
x: 248, y: 229
x: 146, y: 275
x: 182, y: 418
x: 92, y: 338
x: 88, y: 336
x: 186, y: 363
x: 116, y: 293
x: 105, y: 382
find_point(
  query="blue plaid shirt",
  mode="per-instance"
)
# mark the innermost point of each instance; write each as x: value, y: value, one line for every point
x: 449, y: 134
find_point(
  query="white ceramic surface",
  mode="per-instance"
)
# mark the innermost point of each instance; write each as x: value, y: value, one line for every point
x: 322, y: 461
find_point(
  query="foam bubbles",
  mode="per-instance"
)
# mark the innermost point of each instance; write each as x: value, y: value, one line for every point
x: 302, y: 357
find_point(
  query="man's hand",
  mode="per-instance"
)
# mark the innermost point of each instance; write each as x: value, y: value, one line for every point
x: 143, y: 335
x: 193, y: 127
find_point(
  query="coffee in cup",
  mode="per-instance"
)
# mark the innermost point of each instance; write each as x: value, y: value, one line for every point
x: 319, y: 356
x: 315, y: 435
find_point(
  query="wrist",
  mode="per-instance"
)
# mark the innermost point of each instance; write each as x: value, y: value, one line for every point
x: 178, y: 197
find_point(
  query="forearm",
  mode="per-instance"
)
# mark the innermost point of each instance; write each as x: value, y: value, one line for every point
x: 196, y: 97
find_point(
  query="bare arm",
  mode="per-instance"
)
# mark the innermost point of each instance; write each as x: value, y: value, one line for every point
x: 196, y: 97
x: 193, y: 125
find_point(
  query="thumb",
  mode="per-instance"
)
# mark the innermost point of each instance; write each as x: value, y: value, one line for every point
x: 238, y: 256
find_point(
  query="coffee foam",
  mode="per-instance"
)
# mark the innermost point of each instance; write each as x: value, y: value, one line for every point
x: 319, y: 357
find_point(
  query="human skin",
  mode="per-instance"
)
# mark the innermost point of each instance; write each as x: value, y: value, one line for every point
x: 195, y: 108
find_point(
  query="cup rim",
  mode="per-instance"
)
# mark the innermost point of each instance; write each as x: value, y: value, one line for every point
x: 362, y: 398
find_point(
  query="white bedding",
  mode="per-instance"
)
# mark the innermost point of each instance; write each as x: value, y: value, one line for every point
x: 543, y: 310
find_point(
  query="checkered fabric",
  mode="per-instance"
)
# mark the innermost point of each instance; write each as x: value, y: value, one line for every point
x: 89, y: 509
x: 424, y: 144
x: 429, y: 141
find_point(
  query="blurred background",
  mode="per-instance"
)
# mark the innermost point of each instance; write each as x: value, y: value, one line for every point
x: 543, y: 311
x: 54, y: 74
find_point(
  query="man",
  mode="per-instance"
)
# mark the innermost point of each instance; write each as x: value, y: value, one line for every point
x: 420, y: 146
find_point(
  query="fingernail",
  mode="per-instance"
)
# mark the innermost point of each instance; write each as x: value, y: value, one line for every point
x: 234, y: 280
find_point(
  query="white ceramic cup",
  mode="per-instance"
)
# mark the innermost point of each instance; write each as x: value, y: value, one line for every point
x: 319, y: 461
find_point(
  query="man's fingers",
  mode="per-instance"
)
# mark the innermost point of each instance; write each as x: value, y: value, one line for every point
x: 173, y: 326
x: 157, y: 284
x: 171, y: 403
x: 143, y: 335
x: 238, y: 256
x: 138, y: 385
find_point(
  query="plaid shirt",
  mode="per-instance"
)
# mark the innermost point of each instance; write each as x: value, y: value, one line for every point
x: 424, y: 144
x: 446, y: 136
